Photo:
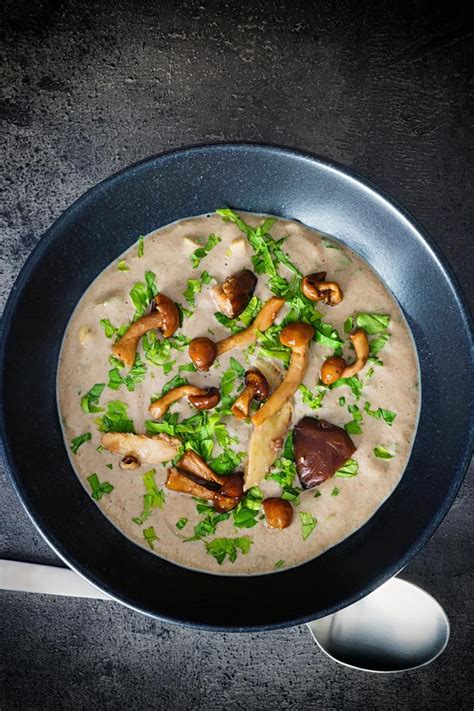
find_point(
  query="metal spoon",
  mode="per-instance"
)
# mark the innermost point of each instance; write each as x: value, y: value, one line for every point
x: 396, y: 628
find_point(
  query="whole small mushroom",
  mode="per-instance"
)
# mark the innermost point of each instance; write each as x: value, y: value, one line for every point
x: 201, y: 398
x: 256, y: 387
x: 315, y: 288
x: 203, y: 352
x: 278, y: 512
x: 336, y: 367
x: 234, y: 294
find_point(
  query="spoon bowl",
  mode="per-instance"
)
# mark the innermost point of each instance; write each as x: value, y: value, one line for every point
x: 396, y: 628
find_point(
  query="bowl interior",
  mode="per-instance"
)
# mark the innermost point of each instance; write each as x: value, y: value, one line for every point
x: 101, y: 225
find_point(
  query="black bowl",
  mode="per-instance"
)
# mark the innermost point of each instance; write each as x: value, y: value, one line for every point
x: 192, y: 181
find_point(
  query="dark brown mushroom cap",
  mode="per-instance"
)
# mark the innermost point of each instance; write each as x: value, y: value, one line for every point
x: 207, y: 401
x: 202, y: 352
x: 321, y: 448
x: 235, y: 293
x: 256, y: 380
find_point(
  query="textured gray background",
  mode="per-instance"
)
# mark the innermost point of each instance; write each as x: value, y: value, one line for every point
x: 90, y: 88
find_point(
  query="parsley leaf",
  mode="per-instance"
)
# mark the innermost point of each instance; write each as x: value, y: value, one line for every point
x: 153, y: 499
x: 78, y: 441
x: 181, y: 523
x: 220, y: 548
x: 150, y: 536
x: 245, y: 515
x: 108, y: 328
x: 115, y: 419
x: 353, y: 427
x: 335, y: 491
x: 372, y: 322
x: 353, y: 383
x: 376, y: 344
x: 313, y: 401
x: 142, y: 294
x: 382, y: 453
x: 348, y: 324
x: 90, y: 400
x: 140, y: 247
x: 348, y: 469
x: 135, y: 376
x: 279, y: 564
x: 308, y: 524
x: 201, y: 252
x: 227, y: 461
x: 387, y: 415
x: 122, y: 266
x: 99, y: 488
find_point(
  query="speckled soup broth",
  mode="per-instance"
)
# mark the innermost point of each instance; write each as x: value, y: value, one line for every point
x: 343, y: 504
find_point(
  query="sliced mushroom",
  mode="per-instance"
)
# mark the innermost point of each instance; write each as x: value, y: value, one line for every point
x: 315, y: 288
x: 194, y: 477
x: 296, y: 336
x: 267, y: 439
x: 235, y: 293
x: 140, y: 448
x: 164, y: 316
x: 278, y: 512
x: 321, y: 448
x: 199, y: 397
x: 202, y: 352
x: 335, y: 367
x: 129, y: 462
x: 262, y: 321
x: 256, y: 387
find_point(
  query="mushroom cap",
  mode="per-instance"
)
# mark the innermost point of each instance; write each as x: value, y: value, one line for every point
x: 332, y: 369
x: 258, y: 382
x: 203, y: 352
x: 296, y: 335
x: 235, y: 293
x: 278, y: 512
x: 321, y: 448
x: 207, y: 401
x: 169, y: 314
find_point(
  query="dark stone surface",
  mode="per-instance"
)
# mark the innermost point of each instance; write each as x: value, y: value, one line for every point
x: 90, y: 88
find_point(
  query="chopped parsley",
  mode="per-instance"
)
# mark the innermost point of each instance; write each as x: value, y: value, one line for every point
x: 348, y: 324
x: 181, y: 523
x: 194, y: 287
x: 283, y: 472
x: 353, y: 383
x: 175, y: 382
x: 382, y: 453
x: 135, y: 376
x: 142, y: 294
x: 109, y: 466
x: 159, y: 351
x: 380, y: 414
x: 153, y: 499
x: 78, y: 441
x: 348, y: 469
x: 115, y: 418
x: 313, y: 401
x: 353, y: 427
x: 207, y: 526
x: 335, y: 491
x: 242, y: 321
x: 150, y: 536
x: 202, y: 252
x: 140, y: 247
x: 90, y: 400
x: 271, y: 347
x: 308, y: 524
x: 279, y: 564
x: 372, y: 322
x: 108, y: 328
x: 245, y: 515
x: 342, y: 401
x: 222, y: 548
x: 376, y: 344
x: 227, y: 461
x: 122, y: 266
x: 99, y: 488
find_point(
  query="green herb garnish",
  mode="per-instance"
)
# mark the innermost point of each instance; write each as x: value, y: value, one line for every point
x: 90, y: 400
x: 115, y: 418
x: 99, y: 488
x: 220, y: 548
x: 140, y: 246
x: 372, y: 322
x: 279, y: 564
x: 202, y: 252
x: 181, y: 523
x: 122, y: 266
x: 245, y: 515
x: 348, y: 324
x: 335, y: 491
x: 153, y: 499
x: 353, y: 383
x: 308, y: 524
x: 380, y: 414
x: 108, y: 328
x: 382, y: 453
x: 135, y: 376
x: 150, y: 536
x: 313, y: 401
x: 142, y: 294
x: 348, y: 469
x: 376, y: 344
x: 78, y: 441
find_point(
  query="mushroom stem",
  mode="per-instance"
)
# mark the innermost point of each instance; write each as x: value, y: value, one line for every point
x: 195, y: 478
x: 336, y: 367
x: 297, y: 336
x: 164, y: 316
x: 199, y: 397
x: 262, y: 321
x: 256, y: 386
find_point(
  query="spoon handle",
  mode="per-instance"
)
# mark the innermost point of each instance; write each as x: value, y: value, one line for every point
x: 46, y: 579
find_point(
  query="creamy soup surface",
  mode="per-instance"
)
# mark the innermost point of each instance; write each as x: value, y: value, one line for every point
x: 381, y: 406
